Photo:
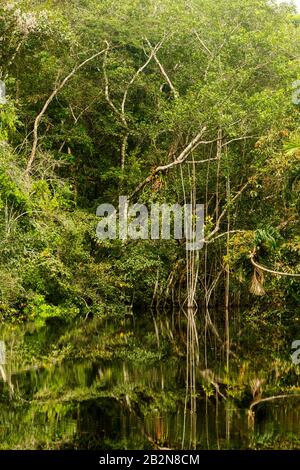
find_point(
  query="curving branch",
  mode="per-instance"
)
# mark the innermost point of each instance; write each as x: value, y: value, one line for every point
x: 275, y: 397
x: 271, y: 271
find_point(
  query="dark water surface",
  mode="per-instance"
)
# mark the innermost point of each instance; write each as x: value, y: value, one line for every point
x: 116, y: 404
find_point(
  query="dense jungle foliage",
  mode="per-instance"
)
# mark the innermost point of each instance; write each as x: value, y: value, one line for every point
x: 225, y: 66
x: 161, y: 101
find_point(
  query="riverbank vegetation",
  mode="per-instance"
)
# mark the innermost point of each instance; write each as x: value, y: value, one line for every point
x: 100, y: 94
x: 166, y: 102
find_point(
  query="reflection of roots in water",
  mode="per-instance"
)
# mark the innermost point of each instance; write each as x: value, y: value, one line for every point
x: 192, y: 360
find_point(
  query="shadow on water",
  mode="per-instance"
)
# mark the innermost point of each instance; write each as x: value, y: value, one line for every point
x: 119, y: 404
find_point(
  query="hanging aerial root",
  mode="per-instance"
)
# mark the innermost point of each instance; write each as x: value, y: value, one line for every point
x: 257, y: 282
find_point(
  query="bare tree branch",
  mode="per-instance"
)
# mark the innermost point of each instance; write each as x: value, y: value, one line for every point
x: 223, y: 235
x: 121, y: 113
x: 178, y: 161
x: 224, y: 212
x: 245, y: 137
x: 47, y: 103
x: 152, y: 54
x: 163, y: 71
x: 123, y: 150
x: 203, y: 161
x: 15, y: 53
x: 203, y: 44
x: 107, y: 96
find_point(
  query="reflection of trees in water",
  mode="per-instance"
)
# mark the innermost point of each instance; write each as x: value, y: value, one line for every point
x: 110, y: 404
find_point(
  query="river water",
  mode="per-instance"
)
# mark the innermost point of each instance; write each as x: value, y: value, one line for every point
x: 122, y: 404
